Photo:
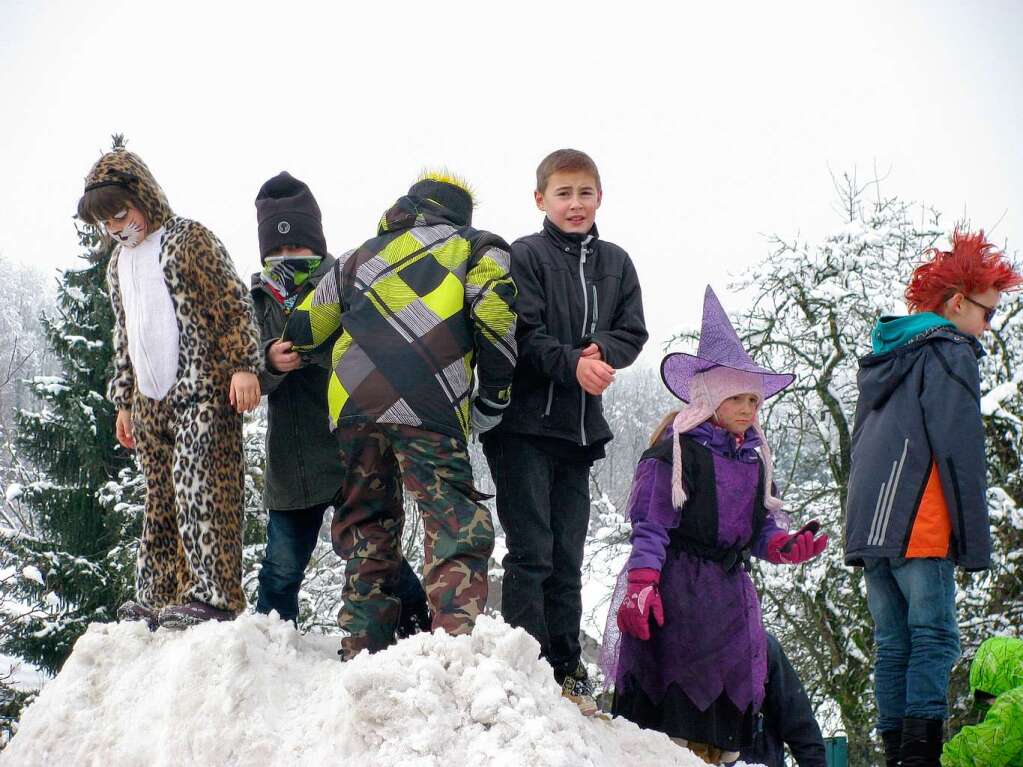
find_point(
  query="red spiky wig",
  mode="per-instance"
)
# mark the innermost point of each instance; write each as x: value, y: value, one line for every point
x: 973, y: 266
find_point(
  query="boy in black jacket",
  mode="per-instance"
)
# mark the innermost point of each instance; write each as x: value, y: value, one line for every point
x: 303, y: 465
x: 580, y: 316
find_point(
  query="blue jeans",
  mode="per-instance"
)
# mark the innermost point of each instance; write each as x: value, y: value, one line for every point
x: 291, y: 538
x: 916, y: 636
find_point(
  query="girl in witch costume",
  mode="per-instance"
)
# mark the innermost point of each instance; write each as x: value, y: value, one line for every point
x: 702, y: 503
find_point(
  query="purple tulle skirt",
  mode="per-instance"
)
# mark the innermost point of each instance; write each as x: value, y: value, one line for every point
x: 712, y: 642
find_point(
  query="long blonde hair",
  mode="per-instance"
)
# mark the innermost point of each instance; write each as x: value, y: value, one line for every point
x: 659, y: 430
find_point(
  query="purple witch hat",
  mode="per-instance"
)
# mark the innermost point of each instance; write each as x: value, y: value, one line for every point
x: 719, y: 347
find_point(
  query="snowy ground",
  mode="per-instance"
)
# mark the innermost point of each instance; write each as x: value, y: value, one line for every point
x: 255, y: 692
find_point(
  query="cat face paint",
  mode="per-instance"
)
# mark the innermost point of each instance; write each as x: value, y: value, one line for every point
x: 127, y: 227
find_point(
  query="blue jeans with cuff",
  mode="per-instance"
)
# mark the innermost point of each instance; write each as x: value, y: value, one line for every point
x: 916, y: 636
x: 291, y: 538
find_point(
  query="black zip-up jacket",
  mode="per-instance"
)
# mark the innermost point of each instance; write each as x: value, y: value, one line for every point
x: 786, y: 718
x: 302, y: 464
x: 573, y: 289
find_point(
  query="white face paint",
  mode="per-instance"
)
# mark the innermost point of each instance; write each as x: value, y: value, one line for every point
x: 126, y: 227
x: 129, y: 236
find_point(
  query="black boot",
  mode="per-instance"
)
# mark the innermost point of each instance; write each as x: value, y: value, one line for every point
x: 921, y: 742
x: 892, y: 747
x: 414, y: 620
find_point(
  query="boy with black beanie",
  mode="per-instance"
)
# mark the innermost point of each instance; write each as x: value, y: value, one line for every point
x: 303, y: 468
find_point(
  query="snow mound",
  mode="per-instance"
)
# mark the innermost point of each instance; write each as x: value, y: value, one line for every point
x: 256, y: 692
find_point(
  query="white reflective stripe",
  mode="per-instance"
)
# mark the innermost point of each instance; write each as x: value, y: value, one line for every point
x: 891, y: 500
x: 884, y: 505
x: 873, y: 522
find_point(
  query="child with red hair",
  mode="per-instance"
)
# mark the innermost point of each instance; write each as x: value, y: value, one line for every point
x: 917, y: 503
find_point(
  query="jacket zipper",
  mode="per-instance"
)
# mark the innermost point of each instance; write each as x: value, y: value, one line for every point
x: 586, y: 309
x: 596, y: 313
x: 550, y: 399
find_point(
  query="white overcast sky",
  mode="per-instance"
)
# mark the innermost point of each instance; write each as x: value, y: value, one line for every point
x: 713, y: 124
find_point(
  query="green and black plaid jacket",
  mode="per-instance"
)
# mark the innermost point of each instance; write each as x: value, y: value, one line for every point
x: 411, y: 313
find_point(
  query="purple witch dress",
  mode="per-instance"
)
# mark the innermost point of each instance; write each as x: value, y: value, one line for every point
x: 700, y: 676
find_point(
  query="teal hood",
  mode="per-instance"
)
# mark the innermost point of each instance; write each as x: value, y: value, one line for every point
x: 892, y: 332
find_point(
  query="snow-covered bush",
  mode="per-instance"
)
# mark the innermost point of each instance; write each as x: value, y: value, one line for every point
x: 812, y: 308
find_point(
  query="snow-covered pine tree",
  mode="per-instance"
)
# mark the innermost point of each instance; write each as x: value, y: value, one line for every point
x: 76, y: 564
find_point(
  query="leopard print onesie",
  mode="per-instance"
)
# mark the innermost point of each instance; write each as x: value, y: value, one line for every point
x: 190, y: 442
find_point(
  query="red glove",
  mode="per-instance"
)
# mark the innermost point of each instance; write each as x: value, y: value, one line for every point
x: 798, y: 547
x: 642, y: 599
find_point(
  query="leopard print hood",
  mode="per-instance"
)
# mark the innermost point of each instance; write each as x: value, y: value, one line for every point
x: 127, y: 168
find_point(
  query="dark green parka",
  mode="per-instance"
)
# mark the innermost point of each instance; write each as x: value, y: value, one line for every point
x: 302, y: 464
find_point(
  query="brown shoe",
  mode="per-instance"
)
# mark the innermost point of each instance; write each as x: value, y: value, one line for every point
x: 578, y: 689
x: 181, y: 617
x: 712, y: 754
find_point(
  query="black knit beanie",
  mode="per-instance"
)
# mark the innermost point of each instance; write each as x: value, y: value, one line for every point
x: 287, y: 214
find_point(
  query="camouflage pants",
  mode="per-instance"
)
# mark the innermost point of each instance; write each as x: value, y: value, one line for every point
x: 368, y: 520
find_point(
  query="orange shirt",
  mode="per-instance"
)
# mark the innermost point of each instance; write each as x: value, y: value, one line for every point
x: 932, y: 527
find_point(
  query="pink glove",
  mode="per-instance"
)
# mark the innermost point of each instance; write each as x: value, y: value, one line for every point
x: 798, y: 547
x: 642, y: 599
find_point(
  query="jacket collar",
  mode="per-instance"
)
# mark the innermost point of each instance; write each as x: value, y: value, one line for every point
x: 942, y: 331
x: 724, y: 443
x: 568, y: 242
x: 891, y: 332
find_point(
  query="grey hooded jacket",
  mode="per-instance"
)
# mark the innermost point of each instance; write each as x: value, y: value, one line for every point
x: 919, y: 411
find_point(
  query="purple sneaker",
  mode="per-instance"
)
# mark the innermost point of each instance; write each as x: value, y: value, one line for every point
x: 133, y: 611
x: 180, y: 617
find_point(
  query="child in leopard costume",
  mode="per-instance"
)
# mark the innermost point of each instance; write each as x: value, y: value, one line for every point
x: 186, y: 355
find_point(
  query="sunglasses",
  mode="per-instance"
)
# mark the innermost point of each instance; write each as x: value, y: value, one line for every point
x: 989, y: 311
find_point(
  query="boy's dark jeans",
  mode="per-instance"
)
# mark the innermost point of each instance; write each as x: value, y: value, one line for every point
x: 291, y: 538
x: 916, y: 636
x: 544, y: 507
